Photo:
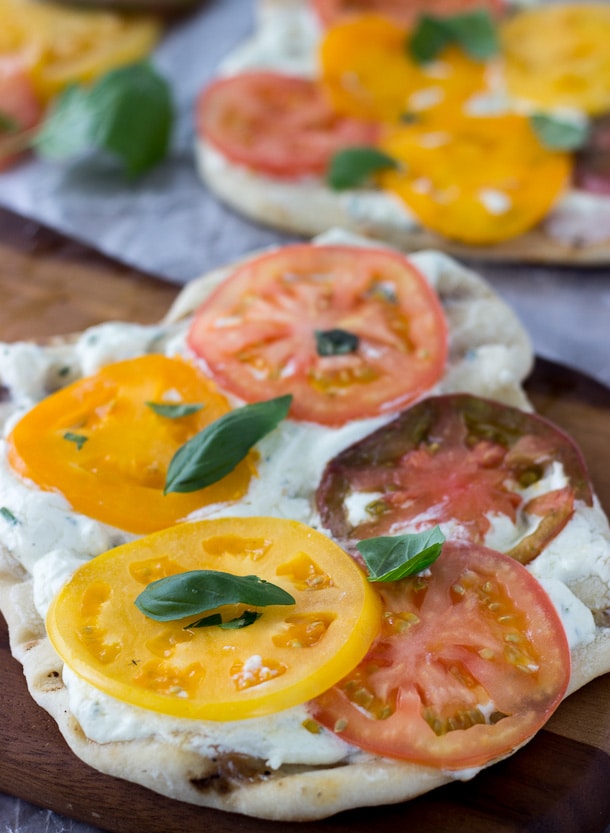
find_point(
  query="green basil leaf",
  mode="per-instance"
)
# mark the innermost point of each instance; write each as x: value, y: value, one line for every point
x: 476, y: 33
x: 428, y: 39
x: 336, y: 342
x: 78, y: 439
x: 215, y: 451
x: 557, y: 134
x: 247, y: 618
x: 165, y: 409
x: 353, y: 166
x: 392, y: 557
x: 198, y: 591
x: 473, y: 31
x: 8, y: 516
x: 128, y: 112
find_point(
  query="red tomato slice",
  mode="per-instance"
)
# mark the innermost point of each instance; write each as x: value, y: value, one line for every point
x: 455, y: 460
x: 277, y: 124
x: 471, y: 661
x: 403, y: 12
x: 20, y: 110
x: 257, y: 331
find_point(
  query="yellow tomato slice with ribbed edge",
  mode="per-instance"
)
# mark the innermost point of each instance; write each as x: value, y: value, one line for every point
x: 367, y: 72
x: 478, y: 180
x: 107, y: 451
x: 61, y: 45
x: 558, y: 55
x: 289, y: 655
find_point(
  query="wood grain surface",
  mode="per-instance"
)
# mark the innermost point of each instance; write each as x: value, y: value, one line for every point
x: 558, y: 783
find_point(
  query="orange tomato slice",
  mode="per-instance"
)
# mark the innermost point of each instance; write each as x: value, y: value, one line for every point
x: 107, y: 451
x: 288, y: 655
x: 478, y: 180
x: 402, y: 12
x: 367, y: 72
x: 558, y: 55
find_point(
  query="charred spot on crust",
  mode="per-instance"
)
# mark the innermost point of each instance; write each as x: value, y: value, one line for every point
x: 5, y: 393
x: 232, y: 770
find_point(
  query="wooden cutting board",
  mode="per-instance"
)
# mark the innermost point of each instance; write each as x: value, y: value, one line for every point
x: 559, y: 783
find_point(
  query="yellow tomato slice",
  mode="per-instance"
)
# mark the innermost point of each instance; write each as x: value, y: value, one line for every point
x: 367, y: 72
x: 289, y: 655
x: 107, y: 451
x: 558, y: 55
x: 480, y: 180
x: 62, y: 45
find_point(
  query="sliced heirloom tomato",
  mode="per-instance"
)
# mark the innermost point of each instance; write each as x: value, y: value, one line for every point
x: 401, y: 12
x: 367, y: 72
x: 479, y: 179
x: 471, y: 662
x: 592, y: 168
x: 20, y: 110
x: 466, y: 463
x: 287, y: 656
x: 62, y: 45
x: 277, y: 124
x: 257, y: 331
x: 100, y: 444
x: 569, y: 66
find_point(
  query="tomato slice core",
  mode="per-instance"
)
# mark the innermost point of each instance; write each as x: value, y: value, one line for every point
x: 461, y: 462
x: 471, y: 661
x: 257, y: 331
x: 288, y: 655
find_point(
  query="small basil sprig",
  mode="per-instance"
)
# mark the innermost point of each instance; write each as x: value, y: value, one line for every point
x: 128, y: 112
x: 165, y: 409
x: 215, y: 451
x: 78, y: 439
x: 473, y: 31
x: 352, y: 166
x: 199, y: 591
x: 390, y: 558
x: 559, y: 134
x: 8, y: 516
x: 335, y: 342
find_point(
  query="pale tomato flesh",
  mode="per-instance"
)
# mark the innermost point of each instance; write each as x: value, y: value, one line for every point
x: 471, y: 662
x: 257, y: 332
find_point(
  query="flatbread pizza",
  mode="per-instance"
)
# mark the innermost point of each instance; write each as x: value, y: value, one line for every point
x: 421, y: 126
x: 321, y: 381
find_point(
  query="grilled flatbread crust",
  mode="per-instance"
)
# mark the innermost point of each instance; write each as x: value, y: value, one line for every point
x: 241, y: 784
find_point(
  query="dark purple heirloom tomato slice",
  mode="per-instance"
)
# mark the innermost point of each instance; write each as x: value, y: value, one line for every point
x: 471, y: 661
x: 455, y: 460
x: 592, y: 168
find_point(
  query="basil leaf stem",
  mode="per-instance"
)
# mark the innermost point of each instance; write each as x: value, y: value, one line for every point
x: 8, y: 516
x: 353, y: 166
x: 199, y: 591
x: 247, y: 618
x: 215, y: 451
x: 393, y: 557
x: 335, y: 342
x: 559, y: 134
x: 165, y: 409
x: 473, y: 31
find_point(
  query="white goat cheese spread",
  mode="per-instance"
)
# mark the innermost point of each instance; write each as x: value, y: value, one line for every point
x: 50, y: 540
